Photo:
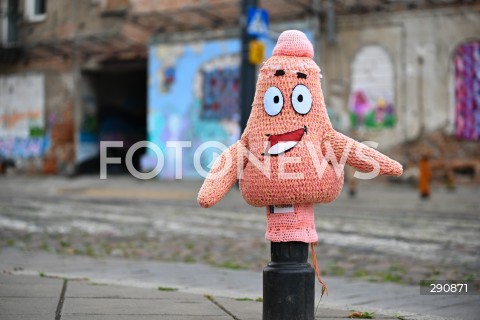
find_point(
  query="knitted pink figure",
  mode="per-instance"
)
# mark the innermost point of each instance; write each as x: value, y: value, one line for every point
x: 287, y: 157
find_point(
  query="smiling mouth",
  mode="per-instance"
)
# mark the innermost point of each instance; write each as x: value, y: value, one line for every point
x: 280, y: 143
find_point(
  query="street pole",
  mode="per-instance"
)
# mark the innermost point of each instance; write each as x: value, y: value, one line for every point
x: 289, y: 283
x: 316, y: 24
x: 248, y: 70
x: 288, y: 280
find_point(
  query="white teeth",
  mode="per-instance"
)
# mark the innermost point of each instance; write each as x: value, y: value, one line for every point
x: 282, y: 147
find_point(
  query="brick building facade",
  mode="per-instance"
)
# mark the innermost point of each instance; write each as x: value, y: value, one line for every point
x: 71, y: 71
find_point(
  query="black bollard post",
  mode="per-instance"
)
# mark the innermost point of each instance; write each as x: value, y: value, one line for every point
x: 288, y: 283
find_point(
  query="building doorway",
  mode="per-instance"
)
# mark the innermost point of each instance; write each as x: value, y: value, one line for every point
x: 114, y: 109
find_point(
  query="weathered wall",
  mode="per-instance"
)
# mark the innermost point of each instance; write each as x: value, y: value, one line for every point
x: 64, y: 19
x: 54, y: 135
x: 37, y: 121
x: 22, y: 107
x: 421, y: 45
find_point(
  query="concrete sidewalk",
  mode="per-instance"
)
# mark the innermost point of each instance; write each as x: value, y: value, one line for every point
x: 193, y: 283
x: 42, y: 298
x: 142, y: 233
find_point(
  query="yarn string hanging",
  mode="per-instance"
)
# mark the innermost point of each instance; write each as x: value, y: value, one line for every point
x: 317, y: 270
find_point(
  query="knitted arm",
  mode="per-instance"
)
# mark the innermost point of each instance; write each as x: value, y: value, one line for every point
x: 222, y: 176
x: 360, y: 156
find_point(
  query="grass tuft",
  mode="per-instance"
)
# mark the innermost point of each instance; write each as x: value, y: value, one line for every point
x: 259, y: 299
x: 231, y: 265
x: 244, y: 299
x: 167, y: 289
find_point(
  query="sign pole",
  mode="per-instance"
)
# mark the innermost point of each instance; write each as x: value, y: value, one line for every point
x: 248, y: 70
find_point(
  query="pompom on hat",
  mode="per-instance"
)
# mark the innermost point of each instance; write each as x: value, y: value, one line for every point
x: 293, y: 43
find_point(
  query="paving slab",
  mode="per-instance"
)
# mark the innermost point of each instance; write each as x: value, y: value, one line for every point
x: 43, y: 307
x: 26, y: 316
x: 101, y: 291
x: 252, y: 310
x: 11, y: 290
x: 458, y: 307
x: 27, y: 297
x: 243, y: 310
x: 141, y: 317
x: 29, y: 287
x: 114, y: 306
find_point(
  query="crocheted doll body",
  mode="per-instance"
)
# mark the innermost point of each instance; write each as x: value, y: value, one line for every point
x: 281, y: 158
x: 296, y: 175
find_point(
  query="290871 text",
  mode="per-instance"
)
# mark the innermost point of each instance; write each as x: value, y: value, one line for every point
x: 454, y: 287
x: 449, y: 287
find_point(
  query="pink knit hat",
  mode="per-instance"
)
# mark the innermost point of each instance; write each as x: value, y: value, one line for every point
x: 293, y: 43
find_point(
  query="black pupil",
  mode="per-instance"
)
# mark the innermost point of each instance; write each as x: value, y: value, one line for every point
x: 300, y: 98
x: 276, y: 99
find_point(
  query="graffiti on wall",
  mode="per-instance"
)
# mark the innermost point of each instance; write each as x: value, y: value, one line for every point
x: 467, y: 91
x: 168, y: 78
x: 372, y: 89
x: 11, y: 148
x: 221, y: 94
x: 186, y: 103
x: 22, y: 105
x: 22, y: 128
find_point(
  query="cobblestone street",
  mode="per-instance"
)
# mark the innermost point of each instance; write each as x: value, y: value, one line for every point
x: 385, y: 234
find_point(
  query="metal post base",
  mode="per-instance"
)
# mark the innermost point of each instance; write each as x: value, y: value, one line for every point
x: 288, y: 283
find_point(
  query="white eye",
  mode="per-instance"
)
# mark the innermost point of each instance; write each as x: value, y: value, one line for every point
x: 301, y: 99
x: 273, y: 101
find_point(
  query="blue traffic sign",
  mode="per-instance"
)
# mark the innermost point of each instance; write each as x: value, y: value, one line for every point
x: 257, y: 22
